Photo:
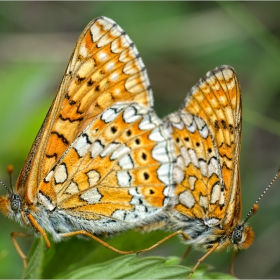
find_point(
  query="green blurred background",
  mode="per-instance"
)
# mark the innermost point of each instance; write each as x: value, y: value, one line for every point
x: 179, y: 42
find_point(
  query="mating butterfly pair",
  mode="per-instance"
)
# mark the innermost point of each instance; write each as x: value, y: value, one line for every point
x: 103, y: 162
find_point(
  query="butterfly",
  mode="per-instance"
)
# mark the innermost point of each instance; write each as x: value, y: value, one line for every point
x: 102, y: 161
x: 205, y: 208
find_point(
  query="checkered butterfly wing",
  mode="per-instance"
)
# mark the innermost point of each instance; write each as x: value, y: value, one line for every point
x: 118, y: 169
x: 206, y: 133
x: 104, y: 68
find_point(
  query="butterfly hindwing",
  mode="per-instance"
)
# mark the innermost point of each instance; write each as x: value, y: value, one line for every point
x: 206, y: 132
x: 118, y: 168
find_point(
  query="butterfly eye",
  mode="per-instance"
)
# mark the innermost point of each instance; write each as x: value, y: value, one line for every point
x: 236, y: 236
x: 15, y: 202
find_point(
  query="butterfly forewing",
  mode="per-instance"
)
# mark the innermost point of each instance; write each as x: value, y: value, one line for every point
x: 207, y: 137
x: 105, y: 68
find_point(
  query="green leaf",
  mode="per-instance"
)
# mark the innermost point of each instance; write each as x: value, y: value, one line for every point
x: 130, y: 266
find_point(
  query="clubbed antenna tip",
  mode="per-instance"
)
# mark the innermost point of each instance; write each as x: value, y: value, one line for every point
x: 10, y: 170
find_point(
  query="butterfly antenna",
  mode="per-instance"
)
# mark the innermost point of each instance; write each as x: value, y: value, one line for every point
x: 255, y: 206
x: 10, y: 170
x: 9, y: 191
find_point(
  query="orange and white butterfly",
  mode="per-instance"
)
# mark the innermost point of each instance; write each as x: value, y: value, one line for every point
x: 205, y: 208
x: 207, y: 138
x: 102, y: 161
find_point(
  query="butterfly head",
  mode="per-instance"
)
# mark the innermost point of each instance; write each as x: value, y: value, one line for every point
x: 15, y: 202
x: 242, y: 236
x: 10, y: 204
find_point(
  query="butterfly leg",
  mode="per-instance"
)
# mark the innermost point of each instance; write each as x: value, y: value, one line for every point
x: 203, y: 258
x: 186, y: 253
x: 163, y: 240
x: 37, y: 227
x: 83, y: 232
x: 231, y: 263
x: 22, y: 255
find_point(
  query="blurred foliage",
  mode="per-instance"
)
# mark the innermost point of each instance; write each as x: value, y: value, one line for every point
x: 179, y: 42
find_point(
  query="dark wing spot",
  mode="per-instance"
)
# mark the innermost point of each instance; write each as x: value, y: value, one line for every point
x: 137, y: 141
x: 224, y: 124
x: 90, y: 82
x: 79, y: 79
x: 146, y: 176
x: 128, y: 133
x: 186, y: 139
x: 152, y: 191
x: 144, y: 156
x: 114, y: 129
